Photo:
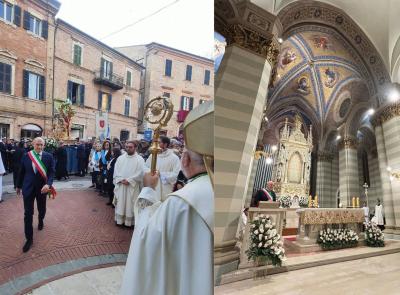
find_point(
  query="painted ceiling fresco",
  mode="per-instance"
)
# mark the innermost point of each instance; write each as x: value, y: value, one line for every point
x: 315, y: 65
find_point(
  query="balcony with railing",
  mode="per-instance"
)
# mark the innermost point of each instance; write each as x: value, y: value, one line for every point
x: 111, y: 80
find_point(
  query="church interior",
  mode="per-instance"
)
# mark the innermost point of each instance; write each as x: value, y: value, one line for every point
x: 306, y: 95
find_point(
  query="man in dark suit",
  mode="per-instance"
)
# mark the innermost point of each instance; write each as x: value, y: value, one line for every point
x: 264, y: 194
x: 36, y: 179
x: 80, y: 154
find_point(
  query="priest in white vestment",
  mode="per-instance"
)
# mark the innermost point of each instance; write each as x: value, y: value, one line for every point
x: 172, y: 246
x: 168, y: 165
x: 128, y: 177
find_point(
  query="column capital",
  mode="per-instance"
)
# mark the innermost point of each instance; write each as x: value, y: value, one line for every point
x: 347, y: 143
x: 246, y: 25
x: 386, y: 113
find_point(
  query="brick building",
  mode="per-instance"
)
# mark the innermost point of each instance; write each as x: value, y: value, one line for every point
x: 98, y: 80
x: 186, y: 78
x: 26, y: 66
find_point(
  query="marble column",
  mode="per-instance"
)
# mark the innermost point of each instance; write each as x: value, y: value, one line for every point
x: 241, y: 85
x: 324, y: 180
x: 348, y: 171
x: 385, y: 179
x: 335, y: 179
x: 388, y: 143
x: 375, y: 185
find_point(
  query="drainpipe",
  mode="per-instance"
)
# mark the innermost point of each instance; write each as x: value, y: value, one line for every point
x: 54, y: 64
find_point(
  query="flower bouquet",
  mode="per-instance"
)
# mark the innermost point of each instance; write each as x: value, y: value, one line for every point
x: 285, y: 201
x: 265, y: 242
x: 303, y: 202
x: 332, y: 239
x: 374, y: 237
x: 50, y: 144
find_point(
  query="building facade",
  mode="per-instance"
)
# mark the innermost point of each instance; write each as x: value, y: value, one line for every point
x: 101, y: 83
x: 185, y: 78
x: 26, y: 67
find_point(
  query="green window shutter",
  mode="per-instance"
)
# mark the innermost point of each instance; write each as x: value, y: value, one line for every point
x: 99, y: 102
x: 45, y: 29
x: 69, y: 90
x: 25, y: 86
x: 82, y: 95
x: 42, y: 87
x: 109, y: 102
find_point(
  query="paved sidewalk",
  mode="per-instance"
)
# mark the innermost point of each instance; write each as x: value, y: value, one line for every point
x: 75, y: 182
x: 78, y: 225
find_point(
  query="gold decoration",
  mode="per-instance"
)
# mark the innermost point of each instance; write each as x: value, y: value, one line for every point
x: 157, y: 111
x: 265, y: 45
x: 348, y: 143
x: 387, y: 113
x: 333, y: 216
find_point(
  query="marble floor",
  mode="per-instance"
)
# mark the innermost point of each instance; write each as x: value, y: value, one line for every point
x: 375, y: 275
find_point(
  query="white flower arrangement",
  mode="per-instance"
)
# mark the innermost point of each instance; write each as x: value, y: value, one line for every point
x: 285, y: 201
x: 265, y: 242
x: 303, y: 202
x: 374, y: 237
x: 50, y: 144
x: 330, y: 239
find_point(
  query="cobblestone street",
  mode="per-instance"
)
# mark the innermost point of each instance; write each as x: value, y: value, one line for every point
x: 78, y: 225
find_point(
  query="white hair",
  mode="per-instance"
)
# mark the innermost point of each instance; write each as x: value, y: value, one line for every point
x: 38, y: 138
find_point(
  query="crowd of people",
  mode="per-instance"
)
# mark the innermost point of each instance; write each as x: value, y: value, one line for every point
x: 111, y: 178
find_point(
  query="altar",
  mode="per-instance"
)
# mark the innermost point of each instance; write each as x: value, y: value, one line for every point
x: 312, y: 220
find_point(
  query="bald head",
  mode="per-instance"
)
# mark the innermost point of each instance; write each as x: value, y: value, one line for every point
x: 38, y: 144
x: 270, y: 185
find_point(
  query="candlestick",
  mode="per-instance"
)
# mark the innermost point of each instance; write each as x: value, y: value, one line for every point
x: 309, y: 201
x: 316, y: 201
x: 358, y: 202
x: 353, y: 201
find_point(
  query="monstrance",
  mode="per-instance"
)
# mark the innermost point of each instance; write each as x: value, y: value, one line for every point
x: 158, y: 111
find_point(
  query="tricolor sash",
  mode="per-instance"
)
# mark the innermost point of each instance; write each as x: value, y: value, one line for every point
x: 269, y: 197
x: 41, y: 168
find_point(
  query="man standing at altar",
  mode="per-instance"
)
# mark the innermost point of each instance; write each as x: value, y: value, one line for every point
x: 264, y: 194
x: 172, y: 246
x: 35, y: 179
x: 168, y: 165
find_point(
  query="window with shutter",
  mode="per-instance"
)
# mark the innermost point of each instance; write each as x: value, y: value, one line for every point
x: 128, y: 78
x: 168, y: 68
x: 109, y: 102
x: 77, y: 55
x: 17, y: 15
x: 191, y: 103
x: 27, y: 19
x: 35, y: 25
x: 186, y: 103
x: 207, y: 77
x: 6, y: 11
x: 45, y: 29
x: 82, y: 95
x: 34, y: 85
x: 127, y: 107
x: 5, y: 78
x: 100, y: 101
x: 189, y: 73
